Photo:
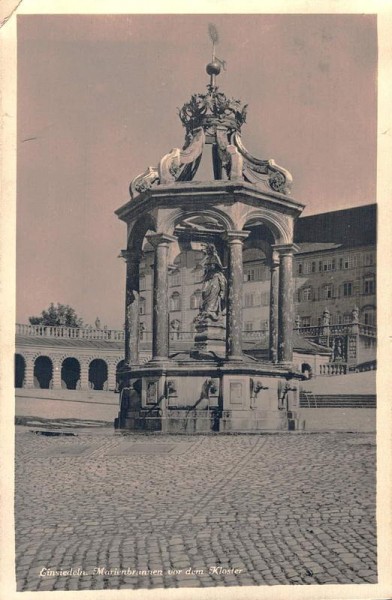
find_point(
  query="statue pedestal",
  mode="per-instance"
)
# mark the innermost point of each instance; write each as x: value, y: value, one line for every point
x: 210, y: 336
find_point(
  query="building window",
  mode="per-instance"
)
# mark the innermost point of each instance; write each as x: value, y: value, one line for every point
x: 175, y: 329
x: 249, y: 326
x: 368, y: 285
x: 348, y: 262
x: 142, y: 306
x: 313, y: 267
x: 328, y: 291
x: 175, y: 301
x: 348, y: 289
x: 142, y: 330
x: 369, y: 315
x: 253, y: 274
x: 306, y: 294
x: 368, y: 260
x: 249, y: 275
x: 300, y: 268
x: 265, y: 298
x: 320, y: 265
x: 195, y: 299
x: 175, y: 278
x: 329, y: 264
x: 305, y: 321
x: 338, y: 319
x: 347, y: 318
x: 249, y: 300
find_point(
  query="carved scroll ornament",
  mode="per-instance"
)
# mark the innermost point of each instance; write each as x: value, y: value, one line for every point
x: 177, y: 165
x: 265, y: 172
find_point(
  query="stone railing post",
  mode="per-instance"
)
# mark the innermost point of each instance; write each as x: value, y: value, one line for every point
x: 355, y: 320
x: 160, y: 308
x: 235, y: 276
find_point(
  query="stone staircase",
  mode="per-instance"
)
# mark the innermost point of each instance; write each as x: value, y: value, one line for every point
x: 310, y: 400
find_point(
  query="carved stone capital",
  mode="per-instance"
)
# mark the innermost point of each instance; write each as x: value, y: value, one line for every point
x: 157, y: 239
x: 235, y: 237
x: 285, y: 249
x: 130, y: 256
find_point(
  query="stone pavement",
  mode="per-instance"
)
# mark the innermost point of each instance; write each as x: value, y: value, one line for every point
x: 105, y: 511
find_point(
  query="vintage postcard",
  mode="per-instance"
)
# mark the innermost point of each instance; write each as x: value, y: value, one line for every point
x: 195, y: 238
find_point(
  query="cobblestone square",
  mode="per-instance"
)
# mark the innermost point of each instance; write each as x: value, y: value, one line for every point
x: 104, y: 511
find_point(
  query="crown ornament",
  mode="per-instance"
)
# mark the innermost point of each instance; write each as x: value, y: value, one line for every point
x: 211, y: 110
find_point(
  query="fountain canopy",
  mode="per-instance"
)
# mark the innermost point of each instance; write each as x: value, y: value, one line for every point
x: 213, y: 119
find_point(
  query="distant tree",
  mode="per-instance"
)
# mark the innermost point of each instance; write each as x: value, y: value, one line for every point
x: 60, y: 315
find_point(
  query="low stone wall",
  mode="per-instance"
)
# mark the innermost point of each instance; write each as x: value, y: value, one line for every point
x: 338, y: 419
x: 66, y: 404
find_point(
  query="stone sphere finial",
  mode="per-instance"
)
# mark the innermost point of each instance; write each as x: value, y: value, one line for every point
x: 213, y: 68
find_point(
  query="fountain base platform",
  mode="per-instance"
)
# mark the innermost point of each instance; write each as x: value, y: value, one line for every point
x: 202, y: 392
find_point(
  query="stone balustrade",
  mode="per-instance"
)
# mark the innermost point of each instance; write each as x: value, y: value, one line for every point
x: 77, y: 333
x: 308, y: 332
x: 117, y: 335
x: 341, y: 329
x: 333, y: 369
x: 368, y: 330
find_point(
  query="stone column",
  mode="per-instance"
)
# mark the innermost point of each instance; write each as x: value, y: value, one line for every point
x: 84, y: 367
x: 111, y: 376
x: 274, y: 303
x: 160, y: 302
x: 131, y: 333
x: 235, y: 277
x: 56, y: 374
x: 29, y: 372
x: 286, y: 303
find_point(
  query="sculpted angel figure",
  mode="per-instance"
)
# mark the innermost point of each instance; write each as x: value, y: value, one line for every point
x: 213, y: 297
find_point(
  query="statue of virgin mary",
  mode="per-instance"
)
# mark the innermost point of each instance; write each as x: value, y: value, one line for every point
x: 213, y: 297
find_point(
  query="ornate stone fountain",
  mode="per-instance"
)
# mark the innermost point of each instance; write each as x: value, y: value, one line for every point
x: 246, y: 202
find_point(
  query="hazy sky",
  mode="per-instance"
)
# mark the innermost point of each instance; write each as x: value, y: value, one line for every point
x: 97, y: 104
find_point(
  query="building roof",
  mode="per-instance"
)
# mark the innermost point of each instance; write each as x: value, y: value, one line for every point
x: 300, y: 344
x: 316, y: 247
x: 349, y: 227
